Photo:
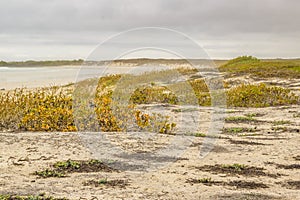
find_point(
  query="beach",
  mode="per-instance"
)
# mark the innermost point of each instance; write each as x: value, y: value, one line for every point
x: 254, y: 155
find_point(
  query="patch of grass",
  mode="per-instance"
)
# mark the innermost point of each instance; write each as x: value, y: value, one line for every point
x: 62, y: 168
x: 246, y: 65
x: 279, y: 128
x: 240, y: 119
x: 153, y: 94
x: 236, y: 130
x: 281, y: 122
x: 200, y: 135
x: 50, y: 173
x: 68, y: 164
x: 108, y: 183
x: 205, y: 181
x: 235, y: 166
x: 103, y: 181
x: 260, y: 95
x: 251, y: 115
x: 48, y: 109
x: 28, y: 197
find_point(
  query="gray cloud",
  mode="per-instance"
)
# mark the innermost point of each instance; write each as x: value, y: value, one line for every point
x: 224, y: 27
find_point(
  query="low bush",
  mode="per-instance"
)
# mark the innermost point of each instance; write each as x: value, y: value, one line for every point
x: 260, y: 95
x: 248, y: 65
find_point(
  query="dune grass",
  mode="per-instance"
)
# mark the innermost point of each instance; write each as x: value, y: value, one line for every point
x: 248, y: 65
x: 52, y: 109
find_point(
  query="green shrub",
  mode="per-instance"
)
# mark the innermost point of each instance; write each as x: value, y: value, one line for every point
x: 248, y: 65
x: 40, y: 110
x: 260, y: 96
x: 153, y: 94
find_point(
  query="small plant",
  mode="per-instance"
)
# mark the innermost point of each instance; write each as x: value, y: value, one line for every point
x: 235, y: 166
x: 61, y: 168
x: 67, y: 164
x: 103, y: 181
x: 251, y: 115
x: 240, y: 119
x: 296, y: 115
x: 260, y: 95
x: 94, y: 162
x: 108, y: 183
x: 279, y: 128
x: 29, y: 197
x: 236, y: 130
x: 200, y: 135
x: 281, y: 122
x: 50, y: 173
x: 205, y: 180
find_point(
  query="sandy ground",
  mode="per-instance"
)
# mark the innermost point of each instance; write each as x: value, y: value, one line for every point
x: 275, y: 150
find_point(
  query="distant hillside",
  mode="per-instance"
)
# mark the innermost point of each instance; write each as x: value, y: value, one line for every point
x: 224, y: 64
x: 41, y: 63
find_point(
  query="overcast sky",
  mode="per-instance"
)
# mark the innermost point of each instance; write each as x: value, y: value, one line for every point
x: 72, y: 29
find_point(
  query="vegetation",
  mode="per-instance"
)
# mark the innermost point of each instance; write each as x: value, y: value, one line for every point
x: 62, y: 168
x: 200, y: 135
x: 262, y: 68
x: 48, y: 109
x: 52, y: 109
x: 153, y: 94
x: 240, y: 119
x: 114, y: 116
x: 235, y: 166
x: 260, y: 96
x: 109, y: 183
x: 28, y: 197
x: 31, y: 63
x: 281, y: 122
x: 236, y: 130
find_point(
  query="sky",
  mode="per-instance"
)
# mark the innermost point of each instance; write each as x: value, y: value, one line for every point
x: 73, y: 29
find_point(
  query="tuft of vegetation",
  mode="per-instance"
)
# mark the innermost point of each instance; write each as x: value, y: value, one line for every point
x: 235, y: 166
x: 108, y: 183
x: 62, y: 168
x: 153, y: 94
x: 205, y: 180
x: 28, y: 197
x: 49, y: 173
x: 48, y: 109
x: 245, y: 65
x: 240, y: 119
x: 31, y: 63
x: 114, y: 116
x: 200, y: 135
x: 260, y: 96
x: 281, y: 122
x: 235, y: 130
